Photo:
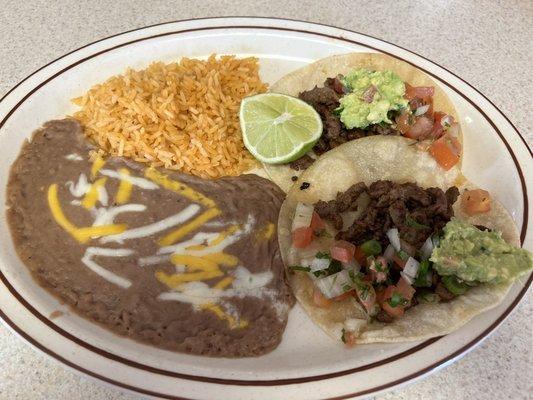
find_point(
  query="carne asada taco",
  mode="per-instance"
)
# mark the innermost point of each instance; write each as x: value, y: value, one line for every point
x: 382, y: 246
x: 366, y: 94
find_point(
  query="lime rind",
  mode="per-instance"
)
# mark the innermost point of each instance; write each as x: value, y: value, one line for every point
x: 272, y: 139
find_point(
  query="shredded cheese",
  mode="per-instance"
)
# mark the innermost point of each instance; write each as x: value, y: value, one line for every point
x: 98, y: 163
x: 91, y: 197
x: 124, y: 188
x: 82, y: 235
x: 178, y: 187
x: 179, y: 233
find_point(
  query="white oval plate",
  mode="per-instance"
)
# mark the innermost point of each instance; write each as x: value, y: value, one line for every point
x: 307, y: 364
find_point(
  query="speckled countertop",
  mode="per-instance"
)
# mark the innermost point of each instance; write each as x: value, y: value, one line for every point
x: 488, y: 45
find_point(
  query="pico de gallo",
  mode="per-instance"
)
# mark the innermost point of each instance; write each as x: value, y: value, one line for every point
x: 392, y: 250
x: 365, y: 102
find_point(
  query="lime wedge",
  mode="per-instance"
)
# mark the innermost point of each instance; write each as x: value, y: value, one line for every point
x: 278, y: 129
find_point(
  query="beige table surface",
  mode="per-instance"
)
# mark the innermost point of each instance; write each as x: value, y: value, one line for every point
x: 488, y: 45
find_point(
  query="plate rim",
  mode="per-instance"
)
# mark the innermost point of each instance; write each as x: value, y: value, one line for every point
x: 405, y: 379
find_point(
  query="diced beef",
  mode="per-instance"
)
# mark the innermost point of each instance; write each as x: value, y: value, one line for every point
x: 416, y: 212
x: 325, y: 100
x: 331, y: 210
x: 335, y: 84
x: 321, y: 96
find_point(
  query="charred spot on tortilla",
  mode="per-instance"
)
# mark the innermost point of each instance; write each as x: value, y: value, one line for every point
x: 294, y: 178
x: 305, y: 185
x: 169, y: 259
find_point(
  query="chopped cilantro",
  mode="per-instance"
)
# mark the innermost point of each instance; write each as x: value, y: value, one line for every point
x: 346, y: 287
x: 397, y: 300
x: 363, y: 289
x: 403, y: 255
x: 409, y: 221
x: 299, y: 268
x: 351, y: 274
x: 323, y: 233
x: 334, y: 267
x: 371, y: 247
x: 422, y: 275
x: 323, y: 255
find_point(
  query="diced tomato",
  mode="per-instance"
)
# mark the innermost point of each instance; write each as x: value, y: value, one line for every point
x: 360, y: 256
x: 398, y: 260
x: 402, y: 122
x: 378, y: 270
x: 342, y: 251
x: 415, y: 103
x: 384, y: 298
x: 421, y: 92
x: 405, y: 289
x: 302, y: 237
x: 429, y: 100
x: 349, y: 338
x: 320, y: 300
x: 438, y: 116
x: 386, y: 293
x: 438, y: 130
x: 446, y: 151
x: 409, y: 92
x: 476, y: 201
x: 420, y: 129
x: 316, y: 222
x: 420, y: 102
x: 344, y: 296
x: 366, y: 295
x: 394, y: 312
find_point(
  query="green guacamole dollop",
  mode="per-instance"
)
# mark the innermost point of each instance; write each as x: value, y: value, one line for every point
x: 355, y: 109
x: 473, y: 255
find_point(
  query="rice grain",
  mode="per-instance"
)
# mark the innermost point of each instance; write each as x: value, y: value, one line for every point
x: 182, y: 116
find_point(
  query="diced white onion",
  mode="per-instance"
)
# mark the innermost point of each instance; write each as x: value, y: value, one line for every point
x: 321, y: 244
x: 394, y: 238
x: 411, y: 268
x: 446, y: 120
x: 407, y: 278
x: 334, y: 285
x: 427, y: 248
x: 302, y: 216
x: 421, y: 110
x: 353, y: 265
x: 355, y: 324
x: 389, y: 253
x: 318, y: 264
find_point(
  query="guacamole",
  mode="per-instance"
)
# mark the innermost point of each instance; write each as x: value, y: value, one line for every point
x: 473, y: 255
x: 371, y: 95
